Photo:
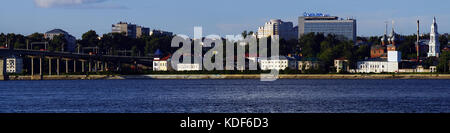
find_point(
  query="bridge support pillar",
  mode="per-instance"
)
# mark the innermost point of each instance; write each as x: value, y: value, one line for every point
x: 49, y: 66
x: 90, y: 66
x: 82, y: 66
x: 74, y: 66
x: 3, y: 73
x: 57, y: 66
x: 102, y: 65
x: 32, y: 66
x: 40, y: 66
x: 106, y: 66
x: 67, y: 66
x: 95, y: 66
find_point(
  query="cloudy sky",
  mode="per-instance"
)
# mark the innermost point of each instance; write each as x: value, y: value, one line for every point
x: 216, y: 17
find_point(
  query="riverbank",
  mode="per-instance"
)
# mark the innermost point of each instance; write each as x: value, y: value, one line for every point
x: 63, y: 77
x: 232, y: 76
x: 294, y: 76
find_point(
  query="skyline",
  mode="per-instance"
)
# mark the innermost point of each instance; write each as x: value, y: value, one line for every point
x: 180, y: 17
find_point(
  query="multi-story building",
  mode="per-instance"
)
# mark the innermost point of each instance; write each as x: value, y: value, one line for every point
x: 140, y: 31
x: 123, y: 27
x: 71, y: 40
x: 160, y: 65
x: 285, y: 30
x: 319, y: 23
x: 130, y: 30
x: 160, y: 33
x: 14, y: 64
x: 188, y: 67
x: 271, y: 64
x: 308, y: 64
x: 342, y: 65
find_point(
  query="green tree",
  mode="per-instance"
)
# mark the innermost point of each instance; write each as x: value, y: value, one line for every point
x: 310, y: 44
x: 36, y: 37
x: 90, y: 39
x: 19, y: 41
x: 2, y: 39
x: 444, y: 60
x: 443, y: 40
x: 134, y: 51
x: 57, y: 43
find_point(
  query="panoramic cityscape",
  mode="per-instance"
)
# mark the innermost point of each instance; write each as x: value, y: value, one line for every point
x: 320, y: 44
x: 216, y: 65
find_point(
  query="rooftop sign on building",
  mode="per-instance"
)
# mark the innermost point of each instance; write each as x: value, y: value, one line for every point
x: 306, y: 14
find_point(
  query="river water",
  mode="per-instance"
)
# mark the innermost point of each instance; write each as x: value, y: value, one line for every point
x: 225, y: 96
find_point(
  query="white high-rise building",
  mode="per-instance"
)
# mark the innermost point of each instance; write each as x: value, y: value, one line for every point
x: 285, y: 30
x: 434, y: 45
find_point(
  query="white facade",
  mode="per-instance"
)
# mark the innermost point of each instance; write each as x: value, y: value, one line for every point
x: 285, y: 30
x: 394, y: 56
x: 377, y: 66
x: 159, y: 65
x: 14, y: 65
x: 188, y: 67
x: 341, y: 65
x: 380, y: 66
x: 307, y: 65
x: 280, y: 64
x: 434, y: 45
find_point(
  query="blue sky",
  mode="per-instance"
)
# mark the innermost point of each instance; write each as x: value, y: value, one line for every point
x: 223, y: 17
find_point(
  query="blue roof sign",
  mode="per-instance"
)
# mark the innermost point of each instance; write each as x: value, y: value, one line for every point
x: 305, y: 14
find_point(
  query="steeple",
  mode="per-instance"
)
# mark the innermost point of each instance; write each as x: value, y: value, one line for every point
x: 392, y: 31
x: 386, y: 27
x: 384, y: 39
x: 392, y: 37
x: 434, y: 28
x: 434, y: 45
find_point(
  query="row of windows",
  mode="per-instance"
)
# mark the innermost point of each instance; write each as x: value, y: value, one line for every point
x: 370, y: 66
x: 276, y: 66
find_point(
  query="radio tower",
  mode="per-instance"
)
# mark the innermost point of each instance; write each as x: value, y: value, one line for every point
x: 417, y: 43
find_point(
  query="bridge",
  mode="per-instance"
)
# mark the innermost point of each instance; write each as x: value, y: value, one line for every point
x: 95, y: 62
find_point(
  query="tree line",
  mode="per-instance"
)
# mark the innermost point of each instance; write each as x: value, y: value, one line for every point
x: 324, y: 48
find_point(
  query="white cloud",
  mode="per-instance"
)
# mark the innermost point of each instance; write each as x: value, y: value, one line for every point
x: 56, y: 3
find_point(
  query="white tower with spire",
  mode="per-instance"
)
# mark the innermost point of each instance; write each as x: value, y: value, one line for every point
x: 434, y: 45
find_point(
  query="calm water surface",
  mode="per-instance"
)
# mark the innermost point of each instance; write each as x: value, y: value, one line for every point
x: 225, y: 96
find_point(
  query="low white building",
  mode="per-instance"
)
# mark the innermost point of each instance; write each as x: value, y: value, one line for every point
x: 159, y: 65
x: 279, y: 64
x: 14, y: 65
x: 188, y: 67
x: 308, y: 65
x: 341, y: 65
x: 420, y: 69
x: 380, y: 65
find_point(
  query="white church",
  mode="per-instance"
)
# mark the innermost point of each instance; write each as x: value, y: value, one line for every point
x: 380, y: 65
x: 391, y: 64
x: 434, y: 45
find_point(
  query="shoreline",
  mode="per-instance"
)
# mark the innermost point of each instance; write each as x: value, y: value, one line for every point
x: 230, y: 76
